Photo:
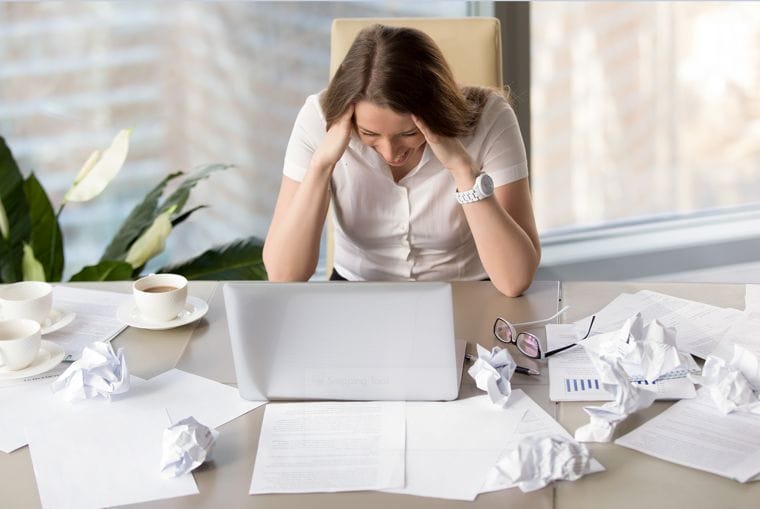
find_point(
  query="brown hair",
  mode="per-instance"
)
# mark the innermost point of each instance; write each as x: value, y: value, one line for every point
x: 403, y: 69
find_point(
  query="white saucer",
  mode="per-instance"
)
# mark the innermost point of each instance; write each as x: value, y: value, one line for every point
x: 49, y: 356
x: 194, y: 310
x: 57, y: 319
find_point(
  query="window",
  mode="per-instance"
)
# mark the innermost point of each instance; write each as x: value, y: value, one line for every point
x: 645, y: 136
x: 199, y: 82
x: 643, y: 109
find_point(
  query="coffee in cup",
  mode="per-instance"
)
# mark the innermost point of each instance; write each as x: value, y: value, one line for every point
x: 26, y: 299
x: 20, y: 340
x: 160, y: 297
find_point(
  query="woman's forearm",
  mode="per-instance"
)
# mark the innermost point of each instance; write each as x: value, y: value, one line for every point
x: 508, y: 254
x: 291, y: 250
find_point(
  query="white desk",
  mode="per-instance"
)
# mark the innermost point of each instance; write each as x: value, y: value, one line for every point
x: 632, y: 479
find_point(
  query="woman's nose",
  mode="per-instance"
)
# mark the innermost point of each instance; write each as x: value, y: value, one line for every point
x: 388, y: 150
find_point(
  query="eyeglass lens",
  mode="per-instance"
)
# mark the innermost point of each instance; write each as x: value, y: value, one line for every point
x: 529, y: 345
x: 502, y: 331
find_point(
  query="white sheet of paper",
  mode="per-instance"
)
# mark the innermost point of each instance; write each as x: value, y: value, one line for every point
x: 535, y: 422
x: 103, y: 454
x: 572, y: 377
x: 28, y: 403
x: 742, y: 331
x: 694, y: 433
x: 450, y: 446
x: 330, y: 447
x: 184, y: 394
x: 95, y: 317
x: 699, y: 325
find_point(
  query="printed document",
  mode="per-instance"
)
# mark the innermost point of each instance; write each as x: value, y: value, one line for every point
x: 329, y: 447
x: 694, y: 433
x: 699, y: 326
x: 95, y: 318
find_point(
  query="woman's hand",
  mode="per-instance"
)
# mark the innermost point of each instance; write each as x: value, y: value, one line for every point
x: 336, y: 140
x: 450, y: 151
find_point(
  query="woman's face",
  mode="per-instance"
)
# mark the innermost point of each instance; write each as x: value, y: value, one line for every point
x: 394, y: 136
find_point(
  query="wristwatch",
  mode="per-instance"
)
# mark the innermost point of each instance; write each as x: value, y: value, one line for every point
x: 482, y: 189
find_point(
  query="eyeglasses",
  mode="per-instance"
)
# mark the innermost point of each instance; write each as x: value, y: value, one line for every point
x: 528, y: 344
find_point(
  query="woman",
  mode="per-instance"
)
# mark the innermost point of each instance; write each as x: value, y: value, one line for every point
x: 429, y: 180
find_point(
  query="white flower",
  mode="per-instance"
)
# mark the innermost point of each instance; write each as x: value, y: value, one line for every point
x: 99, y: 170
x: 5, y: 229
x: 31, y: 268
x: 151, y: 242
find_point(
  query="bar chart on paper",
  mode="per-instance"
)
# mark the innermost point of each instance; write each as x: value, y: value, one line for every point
x: 572, y: 377
x: 581, y: 384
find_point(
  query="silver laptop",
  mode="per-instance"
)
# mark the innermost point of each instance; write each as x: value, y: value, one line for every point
x: 343, y: 341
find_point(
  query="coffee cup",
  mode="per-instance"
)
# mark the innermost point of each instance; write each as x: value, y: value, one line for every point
x: 160, y: 297
x: 26, y: 299
x: 20, y: 340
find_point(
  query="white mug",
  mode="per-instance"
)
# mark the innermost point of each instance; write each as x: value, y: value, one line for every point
x: 160, y: 297
x: 27, y: 299
x: 20, y: 340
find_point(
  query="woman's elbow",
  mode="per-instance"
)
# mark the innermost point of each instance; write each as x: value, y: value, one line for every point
x: 280, y: 270
x: 512, y: 288
x: 517, y: 282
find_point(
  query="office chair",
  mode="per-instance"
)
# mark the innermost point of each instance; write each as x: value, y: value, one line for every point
x: 471, y: 46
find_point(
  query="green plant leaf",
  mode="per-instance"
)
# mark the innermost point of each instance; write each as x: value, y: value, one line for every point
x: 17, y: 212
x: 240, y: 260
x: 108, y: 270
x: 182, y: 193
x: 141, y: 217
x: 30, y: 266
x: 46, y: 240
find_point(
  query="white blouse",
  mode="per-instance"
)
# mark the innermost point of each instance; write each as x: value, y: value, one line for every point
x: 413, y: 229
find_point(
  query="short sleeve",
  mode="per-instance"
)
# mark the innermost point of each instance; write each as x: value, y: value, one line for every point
x: 503, y: 151
x: 308, y: 131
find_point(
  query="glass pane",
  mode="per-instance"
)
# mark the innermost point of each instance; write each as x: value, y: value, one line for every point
x: 643, y: 108
x: 198, y: 82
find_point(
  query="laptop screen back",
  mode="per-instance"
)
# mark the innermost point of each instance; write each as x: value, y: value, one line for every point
x: 345, y: 341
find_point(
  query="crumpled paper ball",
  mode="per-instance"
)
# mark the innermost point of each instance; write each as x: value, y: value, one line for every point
x: 728, y: 387
x: 99, y: 372
x: 186, y: 445
x: 650, y: 350
x: 629, y: 398
x: 536, y: 461
x: 492, y: 372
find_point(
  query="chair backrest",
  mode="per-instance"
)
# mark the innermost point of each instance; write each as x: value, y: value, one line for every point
x: 471, y: 46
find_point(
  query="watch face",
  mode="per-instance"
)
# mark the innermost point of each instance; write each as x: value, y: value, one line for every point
x: 485, y: 184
